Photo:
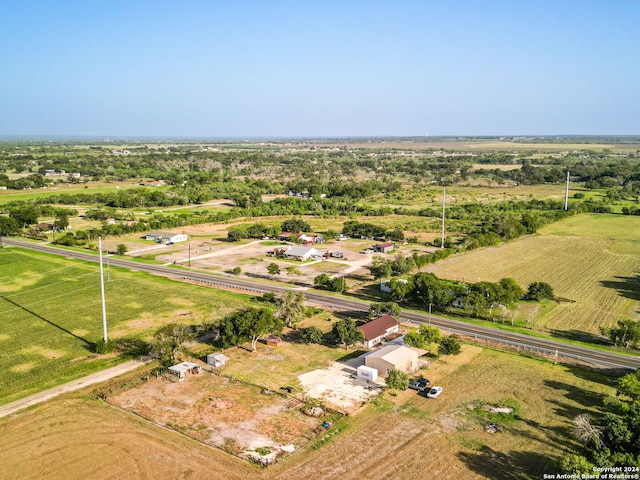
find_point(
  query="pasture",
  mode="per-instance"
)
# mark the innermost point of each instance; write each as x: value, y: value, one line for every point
x: 50, y: 315
x: 591, y: 261
x: 393, y: 438
x: 71, y: 189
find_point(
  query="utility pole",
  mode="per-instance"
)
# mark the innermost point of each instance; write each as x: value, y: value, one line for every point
x: 444, y: 197
x: 104, y: 310
x: 566, y: 195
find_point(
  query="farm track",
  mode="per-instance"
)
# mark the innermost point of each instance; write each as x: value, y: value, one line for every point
x: 72, y: 386
x: 527, y: 343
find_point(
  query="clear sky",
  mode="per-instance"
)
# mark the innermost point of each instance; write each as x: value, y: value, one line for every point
x: 218, y: 68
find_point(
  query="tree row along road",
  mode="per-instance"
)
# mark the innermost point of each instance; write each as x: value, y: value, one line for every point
x: 529, y: 343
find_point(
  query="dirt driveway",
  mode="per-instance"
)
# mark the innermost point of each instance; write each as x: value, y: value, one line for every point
x: 338, y: 388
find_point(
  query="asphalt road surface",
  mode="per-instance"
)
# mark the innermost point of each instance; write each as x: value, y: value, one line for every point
x: 529, y: 343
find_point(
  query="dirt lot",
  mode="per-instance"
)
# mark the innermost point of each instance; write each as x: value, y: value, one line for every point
x: 233, y: 416
x: 337, y: 387
x: 209, y: 251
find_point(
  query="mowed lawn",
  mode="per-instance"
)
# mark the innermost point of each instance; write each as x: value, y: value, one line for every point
x: 50, y: 315
x: 398, y: 438
x: 592, y: 261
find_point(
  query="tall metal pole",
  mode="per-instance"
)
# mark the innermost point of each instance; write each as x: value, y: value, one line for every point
x: 444, y: 197
x: 104, y: 309
x: 566, y: 195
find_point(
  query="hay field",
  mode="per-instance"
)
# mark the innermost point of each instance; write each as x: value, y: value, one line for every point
x: 50, y: 315
x: 591, y: 260
x: 74, y: 437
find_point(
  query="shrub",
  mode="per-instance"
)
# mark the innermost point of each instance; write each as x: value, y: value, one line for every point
x: 103, y: 347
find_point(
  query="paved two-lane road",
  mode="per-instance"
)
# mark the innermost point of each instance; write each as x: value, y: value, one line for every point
x: 541, y: 345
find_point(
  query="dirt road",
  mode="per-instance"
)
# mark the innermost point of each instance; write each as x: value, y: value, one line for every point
x: 72, y: 386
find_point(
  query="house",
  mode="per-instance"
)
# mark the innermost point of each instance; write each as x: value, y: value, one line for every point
x: 385, y: 287
x: 285, y: 236
x: 302, y: 253
x: 44, y: 227
x: 166, y: 237
x: 393, y: 357
x: 377, y: 329
x: 217, y: 359
x: 273, y: 341
x: 310, y: 238
x: 383, y: 247
x: 182, y: 370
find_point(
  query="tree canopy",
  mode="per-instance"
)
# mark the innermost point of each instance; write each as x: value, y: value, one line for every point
x: 346, y: 332
x: 248, y: 325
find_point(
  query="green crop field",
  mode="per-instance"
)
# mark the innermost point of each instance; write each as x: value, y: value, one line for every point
x: 50, y: 315
x: 591, y: 261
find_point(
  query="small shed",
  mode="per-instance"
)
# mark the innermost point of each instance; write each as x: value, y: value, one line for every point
x: 217, y: 359
x: 383, y: 247
x: 273, y: 341
x: 367, y: 373
x: 181, y: 370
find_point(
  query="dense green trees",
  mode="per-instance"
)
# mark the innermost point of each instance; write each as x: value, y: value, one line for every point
x: 291, y: 309
x: 335, y: 284
x: 539, y: 290
x: 8, y: 226
x: 169, y: 340
x: 612, y: 440
x: 397, y: 380
x: 384, y: 308
x: 248, y: 326
x: 450, y: 345
x: 626, y: 333
x: 311, y: 335
x: 295, y: 225
x: 346, y: 332
x: 423, y: 337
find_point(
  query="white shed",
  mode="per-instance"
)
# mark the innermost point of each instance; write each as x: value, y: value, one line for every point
x: 368, y: 373
x: 217, y: 359
x: 181, y: 370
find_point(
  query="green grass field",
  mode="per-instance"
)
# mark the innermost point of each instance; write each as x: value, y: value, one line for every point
x: 591, y: 261
x: 91, y: 188
x: 50, y: 315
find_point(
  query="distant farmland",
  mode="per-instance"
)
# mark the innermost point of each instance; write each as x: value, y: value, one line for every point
x: 50, y: 316
x: 591, y: 260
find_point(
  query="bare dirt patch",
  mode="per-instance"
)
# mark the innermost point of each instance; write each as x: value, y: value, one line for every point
x: 22, y: 367
x: 45, y: 352
x: 26, y: 279
x: 337, y: 388
x: 230, y: 415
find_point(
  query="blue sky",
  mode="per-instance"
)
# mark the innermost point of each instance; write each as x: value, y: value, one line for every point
x: 329, y: 68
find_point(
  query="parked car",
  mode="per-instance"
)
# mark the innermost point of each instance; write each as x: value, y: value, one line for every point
x: 434, y: 392
x: 337, y: 254
x: 419, y: 384
x: 367, y: 251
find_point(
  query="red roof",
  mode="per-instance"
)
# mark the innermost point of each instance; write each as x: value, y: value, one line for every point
x: 379, y: 326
